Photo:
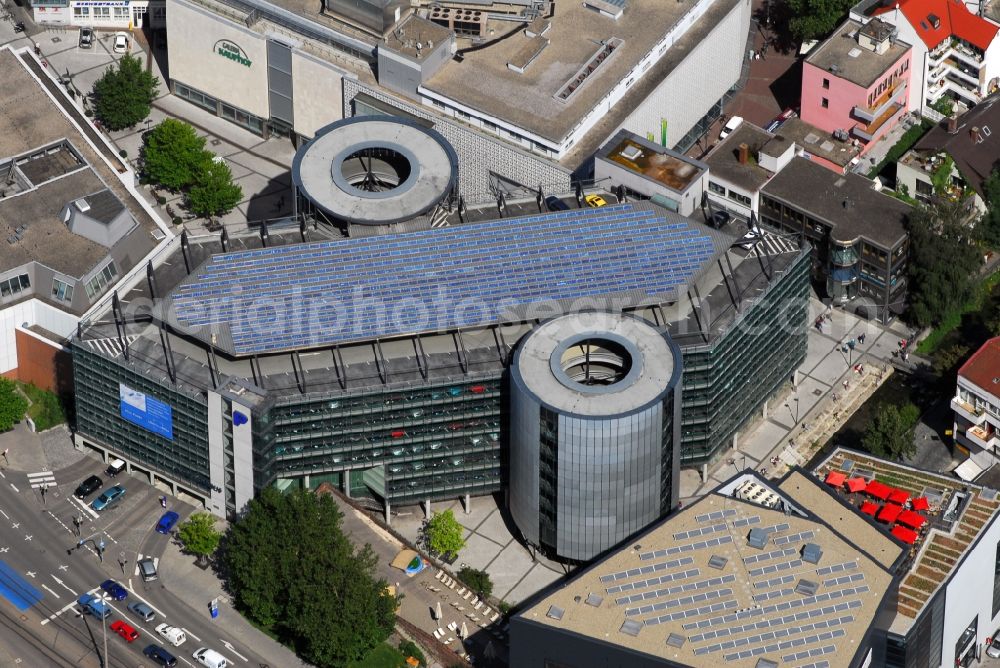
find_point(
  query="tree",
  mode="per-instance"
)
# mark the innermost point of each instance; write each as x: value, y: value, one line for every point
x: 890, y: 432
x: 12, y: 404
x: 214, y: 192
x: 199, y: 535
x: 478, y: 581
x: 815, y: 19
x: 947, y: 359
x: 292, y: 570
x: 989, y: 226
x: 941, y: 177
x: 173, y: 154
x: 943, y: 262
x: 124, y: 94
x: 444, y: 533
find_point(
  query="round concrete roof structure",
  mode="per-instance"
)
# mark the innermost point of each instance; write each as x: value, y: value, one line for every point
x: 375, y: 170
x: 596, y: 364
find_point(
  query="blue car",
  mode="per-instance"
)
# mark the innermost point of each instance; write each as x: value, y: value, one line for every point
x: 93, y: 605
x: 108, y: 497
x: 160, y: 655
x: 115, y: 590
x: 167, y: 522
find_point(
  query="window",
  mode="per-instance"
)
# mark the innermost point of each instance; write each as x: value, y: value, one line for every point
x: 121, y: 13
x: 737, y: 197
x: 716, y: 188
x: 62, y: 291
x: 102, y: 13
x: 81, y: 12
x: 825, y: 103
x: 12, y: 286
x: 101, y: 280
x: 826, y: 83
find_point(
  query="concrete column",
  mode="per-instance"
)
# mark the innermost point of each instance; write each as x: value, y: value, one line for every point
x: 173, y: 489
x: 345, y: 484
x: 736, y: 442
x: 152, y: 478
x: 704, y: 472
x: 305, y: 481
x: 468, y: 504
x: 387, y: 508
x: 427, y: 509
x: 763, y: 411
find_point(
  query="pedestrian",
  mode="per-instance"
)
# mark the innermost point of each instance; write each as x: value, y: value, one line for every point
x: 163, y: 501
x: 861, y: 338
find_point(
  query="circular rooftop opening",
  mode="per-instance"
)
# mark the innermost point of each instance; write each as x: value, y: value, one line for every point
x: 375, y: 169
x: 596, y: 362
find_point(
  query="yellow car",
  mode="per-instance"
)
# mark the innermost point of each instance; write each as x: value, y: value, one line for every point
x: 595, y: 200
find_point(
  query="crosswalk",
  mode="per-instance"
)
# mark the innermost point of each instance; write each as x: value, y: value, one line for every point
x: 772, y: 244
x: 41, y: 479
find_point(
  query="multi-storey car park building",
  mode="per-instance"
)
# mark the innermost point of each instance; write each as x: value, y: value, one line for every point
x: 756, y: 574
x: 72, y: 221
x: 551, y: 85
x: 379, y: 362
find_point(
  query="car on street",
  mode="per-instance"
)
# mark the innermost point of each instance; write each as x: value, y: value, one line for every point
x: 93, y: 605
x: 210, y: 658
x: 86, y: 38
x: 719, y: 219
x: 160, y: 656
x: 780, y: 119
x: 88, y: 487
x: 108, y: 497
x: 553, y: 203
x: 147, y: 569
x: 167, y: 522
x: 730, y: 126
x: 993, y: 646
x: 173, y: 635
x: 120, y: 44
x: 595, y: 201
x: 142, y: 611
x: 124, y: 630
x: 115, y: 590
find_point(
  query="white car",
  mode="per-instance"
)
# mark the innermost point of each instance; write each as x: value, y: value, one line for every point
x: 121, y: 43
x: 172, y: 634
x: 993, y: 649
x: 210, y: 658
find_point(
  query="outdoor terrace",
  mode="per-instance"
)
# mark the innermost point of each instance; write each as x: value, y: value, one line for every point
x: 956, y: 513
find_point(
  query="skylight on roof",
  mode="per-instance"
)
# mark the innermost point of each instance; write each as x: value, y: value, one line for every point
x: 555, y: 613
x: 631, y: 627
x: 676, y: 640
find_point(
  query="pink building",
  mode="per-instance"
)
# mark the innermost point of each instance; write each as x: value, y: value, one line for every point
x: 856, y: 84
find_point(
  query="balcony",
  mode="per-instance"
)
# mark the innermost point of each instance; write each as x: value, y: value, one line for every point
x: 984, y: 438
x: 882, y: 103
x: 955, y: 49
x: 963, y: 71
x: 968, y: 411
x: 868, y: 132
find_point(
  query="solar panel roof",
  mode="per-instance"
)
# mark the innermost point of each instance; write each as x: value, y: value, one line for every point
x: 309, y: 295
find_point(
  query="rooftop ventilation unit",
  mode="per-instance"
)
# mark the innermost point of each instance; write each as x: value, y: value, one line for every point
x: 631, y: 627
x: 806, y: 587
x: 82, y: 205
x: 718, y: 562
x: 631, y: 152
x: 757, y: 538
x: 811, y: 553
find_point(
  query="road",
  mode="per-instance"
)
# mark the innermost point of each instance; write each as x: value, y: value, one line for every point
x: 38, y: 543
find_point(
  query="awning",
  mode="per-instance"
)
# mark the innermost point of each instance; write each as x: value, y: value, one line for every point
x: 921, y: 503
x: 869, y: 508
x: 899, y: 496
x: 835, y: 478
x: 968, y: 470
x: 911, y: 519
x: 878, y: 490
x: 889, y: 513
x: 908, y: 536
x: 856, y: 484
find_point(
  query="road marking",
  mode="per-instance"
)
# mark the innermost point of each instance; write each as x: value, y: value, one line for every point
x: 27, y: 537
x: 14, y: 488
x: 63, y: 584
x: 4, y: 549
x: 191, y: 634
x: 58, y: 612
x: 46, y: 588
x: 15, y: 525
x: 85, y: 507
x: 30, y: 573
x: 232, y: 649
x: 62, y: 567
x: 6, y: 516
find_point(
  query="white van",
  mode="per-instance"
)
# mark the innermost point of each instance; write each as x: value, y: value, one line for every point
x: 115, y: 466
x: 730, y: 126
x: 210, y: 658
x: 172, y: 634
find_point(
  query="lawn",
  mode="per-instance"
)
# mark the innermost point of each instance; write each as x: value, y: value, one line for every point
x: 383, y: 656
x: 45, y: 410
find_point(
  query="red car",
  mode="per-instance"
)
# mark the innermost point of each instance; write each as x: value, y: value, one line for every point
x: 124, y: 630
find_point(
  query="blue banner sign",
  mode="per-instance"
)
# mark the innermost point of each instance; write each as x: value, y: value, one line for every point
x: 147, y: 412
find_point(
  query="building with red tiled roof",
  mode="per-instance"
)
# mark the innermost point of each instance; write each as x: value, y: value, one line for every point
x: 977, y: 401
x: 956, y: 53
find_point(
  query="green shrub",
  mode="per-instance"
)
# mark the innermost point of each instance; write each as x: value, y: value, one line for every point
x: 478, y: 581
x: 46, y: 410
x: 409, y: 648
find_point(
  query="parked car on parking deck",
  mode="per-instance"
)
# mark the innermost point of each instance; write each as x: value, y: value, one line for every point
x: 121, y: 43
x: 87, y: 487
x: 109, y: 497
x: 86, y: 38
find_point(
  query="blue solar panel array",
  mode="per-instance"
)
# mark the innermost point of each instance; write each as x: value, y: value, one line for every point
x: 307, y: 295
